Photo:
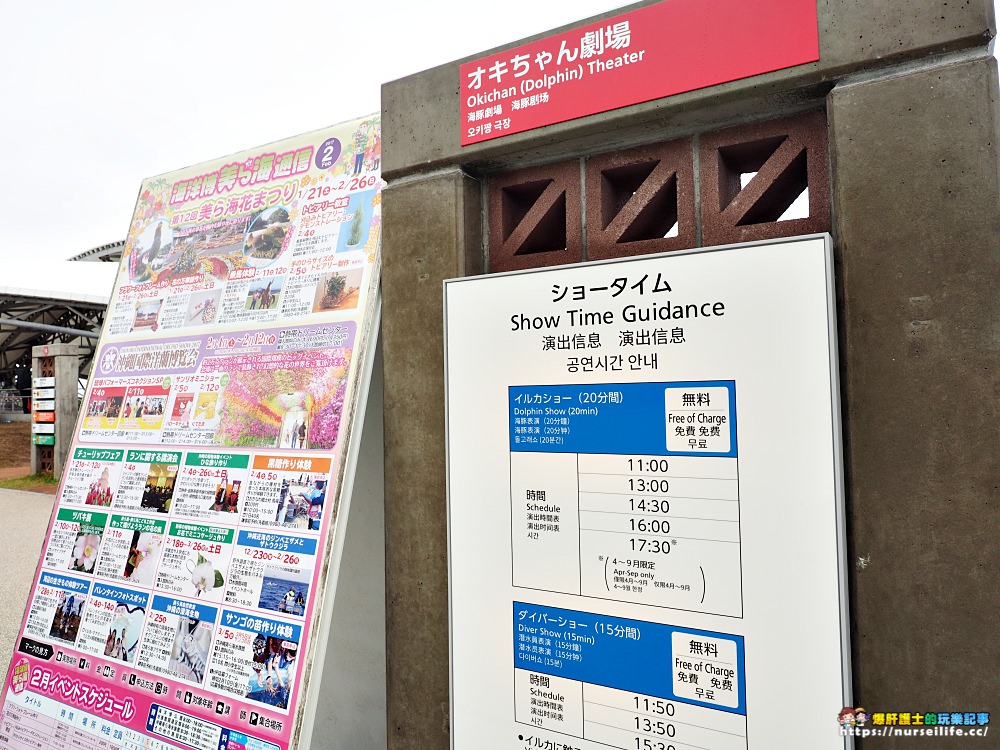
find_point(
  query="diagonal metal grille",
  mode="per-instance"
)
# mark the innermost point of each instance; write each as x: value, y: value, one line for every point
x: 751, y: 175
x: 757, y: 181
x: 640, y: 201
x: 534, y: 217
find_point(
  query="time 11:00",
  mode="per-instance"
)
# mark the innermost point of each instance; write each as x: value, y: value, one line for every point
x: 649, y: 465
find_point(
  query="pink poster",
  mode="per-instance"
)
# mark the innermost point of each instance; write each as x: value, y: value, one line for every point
x: 184, y: 572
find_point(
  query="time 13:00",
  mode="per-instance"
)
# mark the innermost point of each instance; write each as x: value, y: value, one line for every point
x: 640, y: 484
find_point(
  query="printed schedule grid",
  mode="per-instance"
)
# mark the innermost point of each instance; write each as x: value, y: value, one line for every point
x: 629, y: 684
x: 646, y: 512
x: 593, y: 516
x: 37, y: 721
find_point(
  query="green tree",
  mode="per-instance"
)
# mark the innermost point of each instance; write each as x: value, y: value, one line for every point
x: 357, y: 227
x: 335, y: 286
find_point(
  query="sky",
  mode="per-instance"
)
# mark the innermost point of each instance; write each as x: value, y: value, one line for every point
x: 96, y: 96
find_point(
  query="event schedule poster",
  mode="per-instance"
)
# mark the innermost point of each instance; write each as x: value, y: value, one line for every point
x: 183, y: 576
x: 645, y: 503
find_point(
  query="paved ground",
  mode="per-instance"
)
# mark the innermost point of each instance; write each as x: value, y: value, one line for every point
x: 26, y: 518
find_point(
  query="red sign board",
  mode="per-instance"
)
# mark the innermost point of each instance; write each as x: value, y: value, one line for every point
x: 44, y: 416
x: 653, y: 52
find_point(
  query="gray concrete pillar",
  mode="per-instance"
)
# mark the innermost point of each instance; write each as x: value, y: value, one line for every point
x: 917, y: 220
x: 433, y: 225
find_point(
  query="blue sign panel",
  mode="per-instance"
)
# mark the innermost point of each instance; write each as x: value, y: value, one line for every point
x: 632, y: 655
x: 623, y: 418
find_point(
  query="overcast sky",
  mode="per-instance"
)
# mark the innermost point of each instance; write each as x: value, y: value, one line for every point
x: 96, y: 96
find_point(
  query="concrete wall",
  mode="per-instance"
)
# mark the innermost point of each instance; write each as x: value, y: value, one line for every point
x: 436, y: 226
x: 916, y: 199
x: 909, y: 90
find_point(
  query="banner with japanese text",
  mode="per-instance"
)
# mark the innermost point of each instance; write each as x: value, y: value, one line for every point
x: 651, y: 52
x: 185, y: 569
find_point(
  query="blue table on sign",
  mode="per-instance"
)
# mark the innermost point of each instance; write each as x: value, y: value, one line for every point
x: 628, y: 492
x: 623, y: 418
x: 628, y: 683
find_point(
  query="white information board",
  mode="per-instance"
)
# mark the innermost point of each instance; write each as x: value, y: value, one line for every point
x: 645, y: 504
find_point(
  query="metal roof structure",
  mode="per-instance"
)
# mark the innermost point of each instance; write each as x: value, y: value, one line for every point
x: 110, y: 253
x: 62, y: 302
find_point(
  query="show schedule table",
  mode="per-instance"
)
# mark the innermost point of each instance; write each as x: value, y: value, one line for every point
x: 629, y: 492
x: 645, y: 504
x: 575, y: 674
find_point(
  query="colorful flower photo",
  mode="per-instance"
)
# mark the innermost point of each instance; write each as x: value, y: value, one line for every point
x: 263, y: 408
x: 148, y: 251
x: 85, y: 551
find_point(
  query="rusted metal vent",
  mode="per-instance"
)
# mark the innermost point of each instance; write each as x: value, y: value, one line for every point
x: 757, y: 182
x: 546, y: 232
x: 656, y: 218
x: 535, y: 217
x: 781, y: 178
x: 640, y: 201
x: 751, y: 175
